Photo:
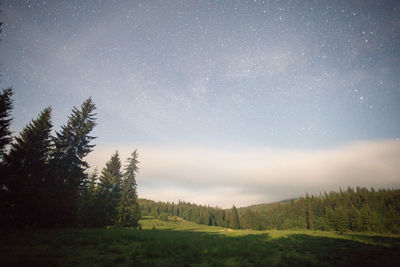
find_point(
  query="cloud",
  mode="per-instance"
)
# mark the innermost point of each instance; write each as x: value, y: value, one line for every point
x: 248, y: 176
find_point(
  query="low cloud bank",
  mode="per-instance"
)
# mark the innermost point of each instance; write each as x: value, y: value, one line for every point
x: 250, y: 176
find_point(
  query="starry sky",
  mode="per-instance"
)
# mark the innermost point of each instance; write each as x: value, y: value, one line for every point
x: 228, y: 102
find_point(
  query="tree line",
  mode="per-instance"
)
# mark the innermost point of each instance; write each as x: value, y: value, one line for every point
x: 45, y: 181
x: 191, y: 212
x: 355, y: 210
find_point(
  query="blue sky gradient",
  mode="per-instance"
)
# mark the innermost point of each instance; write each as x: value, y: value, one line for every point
x: 225, y: 75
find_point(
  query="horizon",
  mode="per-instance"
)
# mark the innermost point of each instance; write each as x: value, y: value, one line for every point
x: 228, y: 103
x: 249, y: 175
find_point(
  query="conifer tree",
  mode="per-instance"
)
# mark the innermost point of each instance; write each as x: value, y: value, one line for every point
x: 308, y: 213
x: 109, y: 189
x: 5, y: 119
x: 5, y: 139
x: 128, y: 206
x: 114, y: 168
x: 72, y: 144
x: 220, y: 219
x: 234, y: 219
x: 28, y: 164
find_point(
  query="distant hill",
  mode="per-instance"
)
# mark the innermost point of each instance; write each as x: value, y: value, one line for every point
x: 355, y: 210
x: 255, y: 207
x: 263, y: 207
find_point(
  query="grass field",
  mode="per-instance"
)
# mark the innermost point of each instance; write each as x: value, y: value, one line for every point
x: 181, y: 243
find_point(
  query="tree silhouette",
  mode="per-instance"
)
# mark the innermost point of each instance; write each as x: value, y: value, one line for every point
x: 5, y: 139
x: 72, y: 144
x: 109, y: 190
x: 5, y: 119
x: 29, y: 172
x: 128, y: 206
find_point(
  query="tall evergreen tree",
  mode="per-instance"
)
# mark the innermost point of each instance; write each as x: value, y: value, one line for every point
x: 128, y: 206
x: 234, y: 219
x: 5, y: 119
x: 29, y: 172
x: 109, y: 189
x: 72, y: 144
x: 5, y: 139
x: 114, y: 168
x: 308, y: 213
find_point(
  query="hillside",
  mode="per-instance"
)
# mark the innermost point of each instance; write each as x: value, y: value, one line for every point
x: 263, y: 207
x: 353, y: 210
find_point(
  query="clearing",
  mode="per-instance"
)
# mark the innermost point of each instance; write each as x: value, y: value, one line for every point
x: 181, y: 243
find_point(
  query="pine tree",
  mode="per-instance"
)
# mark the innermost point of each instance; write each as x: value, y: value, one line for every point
x: 72, y: 144
x: 234, y: 219
x: 109, y: 189
x: 128, y: 206
x: 308, y: 212
x: 341, y: 219
x: 114, y: 168
x: 5, y: 119
x: 5, y: 139
x: 28, y: 164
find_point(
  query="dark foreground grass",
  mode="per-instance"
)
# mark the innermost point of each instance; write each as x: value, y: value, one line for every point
x: 185, y: 246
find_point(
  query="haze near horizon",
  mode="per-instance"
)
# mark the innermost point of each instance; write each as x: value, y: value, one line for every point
x: 231, y: 102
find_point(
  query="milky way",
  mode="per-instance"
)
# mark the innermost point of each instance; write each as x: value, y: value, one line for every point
x: 280, y: 74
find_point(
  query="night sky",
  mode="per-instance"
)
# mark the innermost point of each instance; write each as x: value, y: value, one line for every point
x: 228, y: 102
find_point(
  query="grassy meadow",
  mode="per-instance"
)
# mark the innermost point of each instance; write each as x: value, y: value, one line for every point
x: 181, y: 243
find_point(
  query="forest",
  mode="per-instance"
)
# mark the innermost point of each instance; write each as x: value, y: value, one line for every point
x: 45, y: 181
x: 353, y: 210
